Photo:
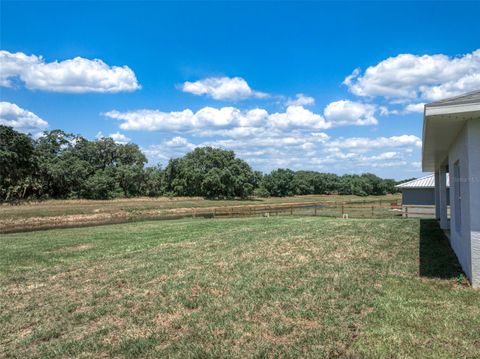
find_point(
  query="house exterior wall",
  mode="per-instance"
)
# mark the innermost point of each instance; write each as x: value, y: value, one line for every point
x: 420, y: 196
x: 474, y: 183
x: 465, y: 235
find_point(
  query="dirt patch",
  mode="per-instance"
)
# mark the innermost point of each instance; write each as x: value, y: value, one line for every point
x: 76, y: 248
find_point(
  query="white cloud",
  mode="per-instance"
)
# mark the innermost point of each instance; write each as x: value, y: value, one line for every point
x: 414, y: 107
x: 227, y: 116
x: 298, y: 116
x: 179, y: 142
x: 77, y: 75
x: 299, y: 149
x: 173, y: 148
x: 119, y: 138
x: 385, y: 111
x: 222, y: 88
x: 365, y: 143
x: 20, y: 119
x: 346, y: 112
x: 384, y: 156
x: 212, y: 118
x: 301, y: 100
x: 153, y: 120
x: 207, y: 117
x: 411, y: 77
x: 292, y: 138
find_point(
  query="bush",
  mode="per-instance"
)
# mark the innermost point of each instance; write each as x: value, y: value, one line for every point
x: 101, y: 185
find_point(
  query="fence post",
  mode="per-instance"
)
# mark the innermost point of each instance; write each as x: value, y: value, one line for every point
x: 343, y: 210
x: 291, y: 210
x: 231, y: 211
x: 315, y: 210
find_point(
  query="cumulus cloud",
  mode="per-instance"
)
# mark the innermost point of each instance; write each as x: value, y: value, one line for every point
x: 300, y: 149
x: 222, y: 88
x: 414, y: 107
x: 291, y: 138
x: 77, y: 75
x: 298, y: 116
x: 20, y: 119
x: 152, y: 120
x: 155, y: 120
x: 384, y: 156
x: 179, y: 142
x: 118, y: 137
x: 365, y: 143
x: 345, y: 112
x: 213, y: 118
x: 411, y: 77
x: 173, y: 148
x: 301, y: 100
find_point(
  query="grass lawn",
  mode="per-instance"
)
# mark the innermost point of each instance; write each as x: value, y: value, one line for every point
x: 255, y: 287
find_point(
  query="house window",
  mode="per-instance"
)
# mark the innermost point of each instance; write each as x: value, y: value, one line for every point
x: 458, y: 196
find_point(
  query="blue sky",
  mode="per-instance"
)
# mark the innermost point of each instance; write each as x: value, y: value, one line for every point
x: 334, y: 87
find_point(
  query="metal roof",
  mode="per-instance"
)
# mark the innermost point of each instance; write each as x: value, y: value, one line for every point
x: 443, y: 121
x: 470, y: 97
x: 422, y: 182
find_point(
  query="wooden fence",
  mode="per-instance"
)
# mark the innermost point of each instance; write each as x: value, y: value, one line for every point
x: 420, y: 211
x: 378, y: 209
x: 352, y: 209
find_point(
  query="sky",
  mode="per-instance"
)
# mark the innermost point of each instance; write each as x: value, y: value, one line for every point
x: 327, y: 86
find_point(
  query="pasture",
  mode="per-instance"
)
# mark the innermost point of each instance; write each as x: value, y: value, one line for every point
x: 72, y: 213
x: 296, y: 287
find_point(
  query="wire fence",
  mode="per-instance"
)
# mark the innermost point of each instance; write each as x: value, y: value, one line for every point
x: 380, y: 209
x: 347, y: 210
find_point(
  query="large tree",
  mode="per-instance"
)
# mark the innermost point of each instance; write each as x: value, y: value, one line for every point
x: 209, y: 172
x: 17, y: 164
x: 65, y: 165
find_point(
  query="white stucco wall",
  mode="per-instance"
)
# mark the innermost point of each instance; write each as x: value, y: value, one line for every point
x: 474, y: 180
x: 466, y: 241
x: 460, y: 240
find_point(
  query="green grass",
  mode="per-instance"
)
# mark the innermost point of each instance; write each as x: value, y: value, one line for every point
x: 279, y: 287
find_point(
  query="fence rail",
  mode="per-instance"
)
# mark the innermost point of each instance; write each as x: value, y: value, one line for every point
x: 380, y: 209
x: 352, y: 209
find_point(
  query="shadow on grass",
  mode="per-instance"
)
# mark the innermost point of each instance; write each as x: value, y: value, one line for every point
x: 437, y: 259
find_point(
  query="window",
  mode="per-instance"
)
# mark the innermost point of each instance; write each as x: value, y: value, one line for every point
x: 458, y: 196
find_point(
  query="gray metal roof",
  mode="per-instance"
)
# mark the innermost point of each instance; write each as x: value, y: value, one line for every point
x: 470, y: 97
x: 422, y: 182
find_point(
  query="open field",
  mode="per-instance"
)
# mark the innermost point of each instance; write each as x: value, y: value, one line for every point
x: 58, y: 213
x: 250, y: 287
x: 84, y: 206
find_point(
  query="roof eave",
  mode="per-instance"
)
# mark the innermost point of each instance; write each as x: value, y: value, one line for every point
x: 434, y: 150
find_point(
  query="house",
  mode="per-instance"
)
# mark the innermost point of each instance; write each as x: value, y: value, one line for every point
x: 420, y: 191
x: 418, y: 197
x: 451, y: 144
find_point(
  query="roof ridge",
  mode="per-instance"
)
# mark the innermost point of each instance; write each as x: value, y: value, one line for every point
x: 452, y: 98
x: 422, y: 182
x: 416, y: 179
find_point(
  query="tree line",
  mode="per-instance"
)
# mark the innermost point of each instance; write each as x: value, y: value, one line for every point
x: 63, y: 165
